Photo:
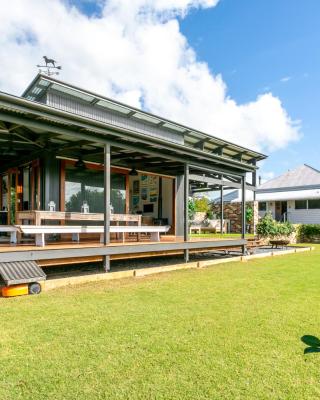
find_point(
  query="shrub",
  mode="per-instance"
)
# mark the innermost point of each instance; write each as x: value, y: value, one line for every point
x: 308, y: 230
x: 210, y: 215
x: 285, y: 228
x: 202, y: 204
x: 268, y: 227
x: 191, y: 208
x: 198, y: 204
x: 249, y: 214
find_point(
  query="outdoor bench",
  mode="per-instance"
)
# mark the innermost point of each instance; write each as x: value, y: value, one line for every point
x: 10, y: 229
x: 41, y: 230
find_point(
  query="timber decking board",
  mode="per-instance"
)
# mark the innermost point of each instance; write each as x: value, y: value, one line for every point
x: 94, y: 259
x: 71, y: 253
x: 71, y: 245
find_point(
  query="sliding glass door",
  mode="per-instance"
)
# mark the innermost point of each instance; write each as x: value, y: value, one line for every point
x: 86, y: 185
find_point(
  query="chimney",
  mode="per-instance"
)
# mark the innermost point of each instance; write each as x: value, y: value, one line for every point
x: 259, y: 180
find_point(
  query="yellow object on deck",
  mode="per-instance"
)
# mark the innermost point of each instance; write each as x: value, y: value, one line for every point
x: 15, y: 290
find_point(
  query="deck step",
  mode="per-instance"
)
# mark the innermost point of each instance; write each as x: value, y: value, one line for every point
x: 16, y: 272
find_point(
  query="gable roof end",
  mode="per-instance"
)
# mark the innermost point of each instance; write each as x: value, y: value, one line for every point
x: 304, y: 175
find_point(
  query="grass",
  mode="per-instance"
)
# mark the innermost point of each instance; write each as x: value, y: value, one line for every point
x: 231, y: 331
x: 220, y: 235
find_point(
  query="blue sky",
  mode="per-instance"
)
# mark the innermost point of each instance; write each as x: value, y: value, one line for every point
x: 243, y: 70
x: 267, y: 46
x: 264, y: 46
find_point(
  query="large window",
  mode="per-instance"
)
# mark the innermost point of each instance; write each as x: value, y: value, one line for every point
x: 307, y: 204
x: 301, y: 204
x: 26, y: 189
x: 262, y: 206
x: 87, y: 185
x: 314, y: 203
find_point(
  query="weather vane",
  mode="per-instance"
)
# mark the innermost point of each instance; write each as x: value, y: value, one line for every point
x: 50, y: 68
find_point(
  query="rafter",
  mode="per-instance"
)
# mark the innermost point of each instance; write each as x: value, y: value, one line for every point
x: 27, y: 139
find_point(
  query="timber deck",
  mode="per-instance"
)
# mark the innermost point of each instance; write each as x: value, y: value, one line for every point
x: 64, y: 252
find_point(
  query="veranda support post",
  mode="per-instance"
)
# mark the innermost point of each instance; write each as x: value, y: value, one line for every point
x: 221, y: 208
x: 186, y: 210
x: 106, y: 236
x: 243, y: 211
x: 254, y: 184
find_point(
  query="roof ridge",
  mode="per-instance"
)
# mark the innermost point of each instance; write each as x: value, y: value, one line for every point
x: 309, y: 166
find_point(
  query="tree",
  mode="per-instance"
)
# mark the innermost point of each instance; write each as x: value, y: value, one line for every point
x: 95, y: 200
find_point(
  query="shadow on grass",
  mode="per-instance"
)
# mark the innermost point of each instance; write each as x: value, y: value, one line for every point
x: 312, y: 342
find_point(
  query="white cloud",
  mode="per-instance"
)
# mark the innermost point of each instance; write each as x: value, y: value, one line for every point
x: 134, y: 51
x: 286, y: 79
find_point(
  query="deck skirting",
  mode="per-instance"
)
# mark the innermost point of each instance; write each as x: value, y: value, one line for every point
x: 140, y: 272
x: 73, y: 251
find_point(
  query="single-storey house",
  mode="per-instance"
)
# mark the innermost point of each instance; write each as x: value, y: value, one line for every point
x: 78, y: 165
x: 293, y: 196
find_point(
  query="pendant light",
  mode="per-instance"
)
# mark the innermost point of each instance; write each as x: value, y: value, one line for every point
x: 80, y: 164
x: 133, y: 172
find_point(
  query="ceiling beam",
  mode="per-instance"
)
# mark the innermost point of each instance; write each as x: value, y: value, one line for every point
x: 213, y: 181
x: 201, y: 143
x: 219, y: 150
x: 27, y: 139
x: 182, y: 154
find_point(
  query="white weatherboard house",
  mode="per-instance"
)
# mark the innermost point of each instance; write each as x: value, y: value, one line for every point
x: 293, y: 196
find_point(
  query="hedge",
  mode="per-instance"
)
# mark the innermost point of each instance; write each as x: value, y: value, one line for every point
x: 307, y: 230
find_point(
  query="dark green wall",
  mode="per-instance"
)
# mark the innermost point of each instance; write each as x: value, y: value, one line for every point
x: 50, y: 181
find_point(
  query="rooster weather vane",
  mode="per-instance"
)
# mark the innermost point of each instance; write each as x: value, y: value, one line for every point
x: 50, y: 68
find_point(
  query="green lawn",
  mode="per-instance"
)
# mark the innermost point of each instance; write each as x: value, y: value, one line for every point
x: 231, y: 331
x: 220, y: 235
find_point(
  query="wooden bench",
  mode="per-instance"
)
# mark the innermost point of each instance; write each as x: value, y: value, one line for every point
x: 10, y: 229
x: 214, y: 226
x: 41, y: 230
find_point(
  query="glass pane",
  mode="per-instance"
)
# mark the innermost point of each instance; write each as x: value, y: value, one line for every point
x: 36, y: 194
x: 262, y: 206
x: 26, y: 189
x: 118, y: 193
x: 4, y: 211
x: 13, y: 196
x: 314, y: 203
x: 87, y: 185
x: 300, y: 204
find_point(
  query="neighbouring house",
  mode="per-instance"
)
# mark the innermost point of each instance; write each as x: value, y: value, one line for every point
x: 70, y: 157
x: 293, y: 196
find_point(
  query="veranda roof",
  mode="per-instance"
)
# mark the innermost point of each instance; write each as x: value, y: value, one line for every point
x: 33, y: 128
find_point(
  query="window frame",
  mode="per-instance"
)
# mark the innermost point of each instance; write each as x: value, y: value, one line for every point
x: 313, y: 200
x: 265, y: 209
x: 301, y: 208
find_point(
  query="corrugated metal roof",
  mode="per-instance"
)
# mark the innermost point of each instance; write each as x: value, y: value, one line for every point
x: 192, y: 137
x: 21, y: 272
x: 304, y: 175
